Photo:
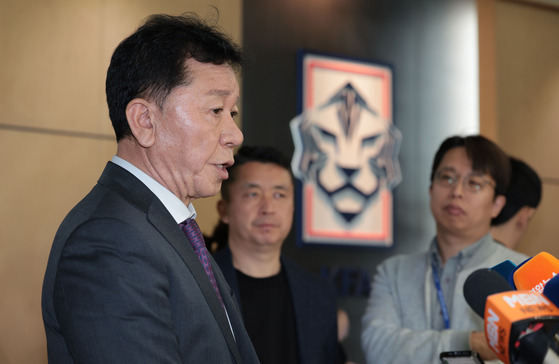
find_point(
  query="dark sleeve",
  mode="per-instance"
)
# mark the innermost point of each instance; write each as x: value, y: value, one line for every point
x: 335, y: 353
x: 111, y: 297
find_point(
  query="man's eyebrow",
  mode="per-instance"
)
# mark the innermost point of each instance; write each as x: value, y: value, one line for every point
x: 250, y: 185
x: 472, y: 173
x: 218, y: 92
x: 257, y: 185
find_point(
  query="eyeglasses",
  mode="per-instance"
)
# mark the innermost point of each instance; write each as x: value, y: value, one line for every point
x: 472, y: 182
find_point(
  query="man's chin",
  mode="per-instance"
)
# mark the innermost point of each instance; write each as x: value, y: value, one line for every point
x: 269, y: 243
x: 209, y: 191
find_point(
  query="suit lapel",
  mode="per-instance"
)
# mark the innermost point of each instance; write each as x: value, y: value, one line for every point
x: 132, y: 189
x: 161, y: 220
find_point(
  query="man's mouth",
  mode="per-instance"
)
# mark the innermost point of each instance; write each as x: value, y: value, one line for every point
x: 454, y: 210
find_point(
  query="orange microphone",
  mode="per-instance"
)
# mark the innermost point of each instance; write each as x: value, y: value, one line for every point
x: 536, y: 272
x: 509, y: 314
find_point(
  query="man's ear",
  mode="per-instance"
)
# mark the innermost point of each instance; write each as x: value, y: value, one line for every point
x: 140, y: 116
x: 498, y: 205
x: 222, y: 211
x: 525, y: 215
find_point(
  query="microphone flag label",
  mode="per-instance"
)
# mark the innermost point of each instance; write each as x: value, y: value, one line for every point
x: 507, y: 313
x: 536, y: 272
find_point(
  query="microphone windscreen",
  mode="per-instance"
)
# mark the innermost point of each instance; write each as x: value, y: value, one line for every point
x: 534, y: 274
x: 481, y: 284
x: 511, y: 274
x: 505, y: 268
x: 532, y: 345
x: 551, y: 290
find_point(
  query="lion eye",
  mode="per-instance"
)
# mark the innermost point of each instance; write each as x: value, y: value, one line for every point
x: 327, y: 136
x: 370, y: 141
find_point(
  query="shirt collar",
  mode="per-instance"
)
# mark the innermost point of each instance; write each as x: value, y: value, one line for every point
x: 172, y: 203
x: 463, y: 256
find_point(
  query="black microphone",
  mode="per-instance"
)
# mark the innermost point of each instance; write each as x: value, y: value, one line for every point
x: 482, y: 283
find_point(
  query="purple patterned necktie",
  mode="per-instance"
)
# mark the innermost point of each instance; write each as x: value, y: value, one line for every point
x: 194, y: 235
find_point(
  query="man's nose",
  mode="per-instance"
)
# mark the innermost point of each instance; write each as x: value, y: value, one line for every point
x: 267, y: 205
x: 458, y: 187
x: 232, y: 136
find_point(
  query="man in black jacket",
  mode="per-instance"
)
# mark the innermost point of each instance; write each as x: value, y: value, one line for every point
x: 289, y: 313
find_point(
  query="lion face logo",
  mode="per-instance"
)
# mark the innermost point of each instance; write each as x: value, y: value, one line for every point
x: 347, y: 150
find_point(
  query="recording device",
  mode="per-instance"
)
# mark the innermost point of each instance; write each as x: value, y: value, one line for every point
x: 534, y: 273
x: 460, y: 357
x: 511, y: 317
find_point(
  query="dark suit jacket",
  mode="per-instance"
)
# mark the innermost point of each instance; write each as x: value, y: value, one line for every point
x: 314, y: 303
x: 123, y: 285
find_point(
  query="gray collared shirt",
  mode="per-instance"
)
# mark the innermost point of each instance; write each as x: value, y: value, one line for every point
x: 402, y: 322
x: 447, y: 276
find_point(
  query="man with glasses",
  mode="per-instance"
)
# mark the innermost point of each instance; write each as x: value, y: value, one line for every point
x: 417, y: 309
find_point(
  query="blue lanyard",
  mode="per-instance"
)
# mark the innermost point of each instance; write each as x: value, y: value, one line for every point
x: 440, y: 294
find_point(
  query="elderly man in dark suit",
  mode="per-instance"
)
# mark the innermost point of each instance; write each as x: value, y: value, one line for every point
x: 290, y: 314
x: 128, y: 279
